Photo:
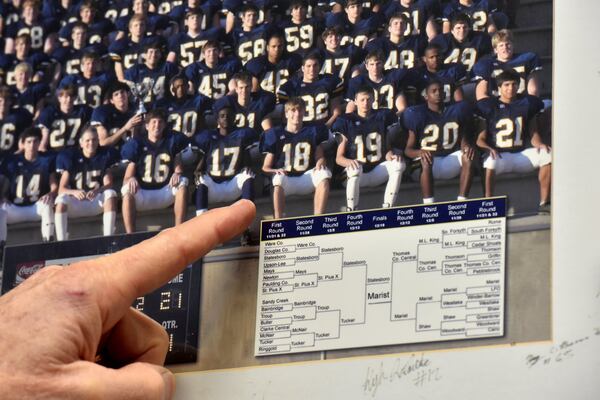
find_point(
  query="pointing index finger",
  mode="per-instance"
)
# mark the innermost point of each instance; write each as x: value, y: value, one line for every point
x: 133, y: 272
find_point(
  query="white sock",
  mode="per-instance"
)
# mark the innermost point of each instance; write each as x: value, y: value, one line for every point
x: 428, y: 200
x: 392, y: 188
x: 352, y: 192
x: 200, y: 212
x: 61, y: 221
x: 47, y: 222
x: 108, y: 223
x: 461, y: 198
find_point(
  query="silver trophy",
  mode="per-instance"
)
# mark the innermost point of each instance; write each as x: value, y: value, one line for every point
x: 142, y: 92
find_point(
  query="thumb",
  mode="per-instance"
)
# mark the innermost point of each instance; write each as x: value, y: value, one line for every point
x: 136, y: 381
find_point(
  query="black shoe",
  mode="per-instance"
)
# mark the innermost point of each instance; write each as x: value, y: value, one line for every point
x: 545, y: 209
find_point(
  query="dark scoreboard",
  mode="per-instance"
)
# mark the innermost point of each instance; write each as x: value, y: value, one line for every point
x: 176, y: 305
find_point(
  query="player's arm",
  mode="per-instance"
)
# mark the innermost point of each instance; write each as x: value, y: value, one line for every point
x: 533, y: 85
x: 536, y: 138
x: 255, y: 84
x: 481, y: 90
x: 340, y: 157
x: 172, y: 57
x: 335, y: 110
x: 45, y: 138
x: 466, y: 142
x: 120, y: 71
x: 111, y: 140
x: 129, y: 178
x: 64, y: 188
x: 177, y: 172
x: 482, y: 143
x: 49, y: 197
x: 320, y: 161
x: 350, y: 107
x: 458, y: 94
x: 413, y: 152
x: 267, y: 166
x: 400, y: 103
x: 266, y: 123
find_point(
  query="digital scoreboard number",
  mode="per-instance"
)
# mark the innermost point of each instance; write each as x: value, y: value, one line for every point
x: 176, y: 305
x: 400, y: 275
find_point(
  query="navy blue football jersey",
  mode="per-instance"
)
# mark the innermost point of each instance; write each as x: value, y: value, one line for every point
x: 251, y: 116
x: 300, y: 38
x: 11, y: 127
x: 29, y: 98
x: 416, y: 12
x: 475, y: 46
x: 110, y: 118
x: 271, y: 76
x: 86, y: 173
x: 189, y: 49
x: 96, y: 31
x: 154, y: 22
x: 70, y: 58
x: 489, y: 67
x: 440, y: 133
x: 128, y: 52
x: 178, y: 9
x: 89, y: 91
x: 249, y: 45
x: 340, y: 62
x: 29, y: 180
x: 154, y: 162
x: 386, y: 91
x: 405, y: 54
x: 479, y: 12
x: 64, y: 128
x: 38, y: 62
x: 151, y: 82
x: 294, y: 152
x: 317, y: 95
x: 212, y: 82
x: 450, y: 75
x: 508, y: 123
x: 366, y: 136
x: 115, y: 9
x: 225, y: 156
x: 38, y: 32
x: 185, y: 115
x: 360, y: 32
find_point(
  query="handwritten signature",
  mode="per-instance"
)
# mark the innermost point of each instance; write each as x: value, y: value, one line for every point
x: 558, y: 353
x: 417, y: 368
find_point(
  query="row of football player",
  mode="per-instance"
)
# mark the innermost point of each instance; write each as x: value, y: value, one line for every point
x: 62, y: 124
x: 443, y: 138
x: 301, y: 20
x: 270, y: 70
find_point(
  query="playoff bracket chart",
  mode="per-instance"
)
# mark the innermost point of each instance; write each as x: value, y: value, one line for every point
x: 390, y: 276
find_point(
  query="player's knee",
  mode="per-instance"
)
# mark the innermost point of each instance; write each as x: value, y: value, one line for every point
x: 61, y: 208
x: 490, y: 163
x: 279, y: 180
x: 353, y: 172
x: 109, y: 194
x: 61, y: 200
x: 126, y: 191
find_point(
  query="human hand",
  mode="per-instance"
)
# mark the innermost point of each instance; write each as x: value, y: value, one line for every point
x: 91, y: 195
x: 48, y: 198
x: 174, y: 181
x: 469, y: 152
x: 133, y: 185
x: 134, y: 121
x: 426, y: 157
x: 57, y: 323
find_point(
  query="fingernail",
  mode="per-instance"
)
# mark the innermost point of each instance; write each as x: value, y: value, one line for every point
x: 169, y: 380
